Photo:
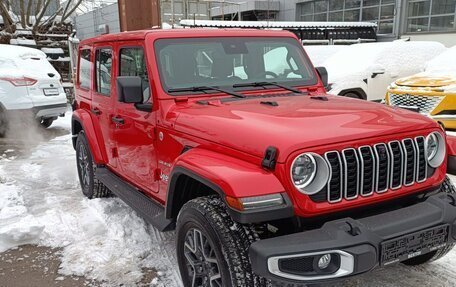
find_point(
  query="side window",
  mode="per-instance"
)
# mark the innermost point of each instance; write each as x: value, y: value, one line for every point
x: 103, y: 67
x: 84, y: 69
x: 133, y: 63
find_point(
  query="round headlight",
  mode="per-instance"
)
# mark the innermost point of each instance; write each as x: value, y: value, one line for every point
x: 303, y: 170
x: 309, y: 173
x: 435, y: 149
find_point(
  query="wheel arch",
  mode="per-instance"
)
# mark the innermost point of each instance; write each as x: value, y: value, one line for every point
x: 200, y: 172
x: 359, y: 91
x: 81, y: 121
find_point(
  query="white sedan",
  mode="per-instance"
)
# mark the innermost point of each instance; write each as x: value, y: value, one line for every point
x: 29, y: 85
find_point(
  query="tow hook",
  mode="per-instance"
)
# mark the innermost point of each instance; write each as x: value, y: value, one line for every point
x: 353, y: 230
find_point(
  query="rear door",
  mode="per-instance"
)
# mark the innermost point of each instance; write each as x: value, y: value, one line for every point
x: 102, y: 107
x: 135, y: 133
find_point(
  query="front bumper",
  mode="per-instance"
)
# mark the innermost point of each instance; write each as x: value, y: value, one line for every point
x: 357, y: 243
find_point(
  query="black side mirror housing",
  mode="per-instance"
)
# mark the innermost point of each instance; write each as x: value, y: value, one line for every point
x: 129, y: 90
x: 323, y: 73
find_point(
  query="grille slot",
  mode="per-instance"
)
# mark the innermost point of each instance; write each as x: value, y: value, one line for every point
x: 424, y: 103
x: 397, y: 167
x: 351, y: 164
x: 335, y: 184
x: 374, y: 169
x: 367, y: 160
x: 410, y: 153
x: 422, y: 165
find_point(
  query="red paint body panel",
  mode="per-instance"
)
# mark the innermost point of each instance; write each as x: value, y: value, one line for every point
x: 237, y: 178
x: 228, y: 140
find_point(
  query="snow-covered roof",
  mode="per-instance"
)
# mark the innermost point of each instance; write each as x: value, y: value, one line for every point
x: 275, y: 24
x: 12, y: 51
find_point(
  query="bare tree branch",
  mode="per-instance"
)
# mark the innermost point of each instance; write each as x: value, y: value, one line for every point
x: 66, y: 7
x: 29, y: 10
x: 22, y: 12
x: 7, y: 20
x: 38, y: 7
x: 65, y: 16
x: 41, y: 14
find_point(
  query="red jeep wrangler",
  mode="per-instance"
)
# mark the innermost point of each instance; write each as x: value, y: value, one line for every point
x: 228, y: 137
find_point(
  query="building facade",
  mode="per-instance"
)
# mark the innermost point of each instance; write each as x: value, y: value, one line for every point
x: 415, y: 19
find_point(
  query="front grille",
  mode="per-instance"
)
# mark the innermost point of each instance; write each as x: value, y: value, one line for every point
x: 374, y: 169
x: 424, y: 103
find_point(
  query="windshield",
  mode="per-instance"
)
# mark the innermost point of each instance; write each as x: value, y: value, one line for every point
x: 224, y: 62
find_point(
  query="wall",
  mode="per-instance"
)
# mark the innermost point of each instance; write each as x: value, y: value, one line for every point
x: 448, y: 39
x: 87, y: 25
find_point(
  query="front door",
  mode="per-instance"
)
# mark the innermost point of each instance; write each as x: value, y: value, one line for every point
x: 134, y: 131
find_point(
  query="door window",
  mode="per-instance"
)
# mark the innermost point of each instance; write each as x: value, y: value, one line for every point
x: 103, y: 71
x: 133, y: 63
x: 84, y: 69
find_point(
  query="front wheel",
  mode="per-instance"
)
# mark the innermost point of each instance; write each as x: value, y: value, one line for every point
x: 90, y: 185
x: 212, y: 249
x: 447, y: 187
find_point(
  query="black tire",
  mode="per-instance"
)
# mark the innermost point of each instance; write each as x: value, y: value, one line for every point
x: 3, y: 123
x: 91, y: 187
x: 45, y: 123
x: 226, y: 240
x: 447, y: 187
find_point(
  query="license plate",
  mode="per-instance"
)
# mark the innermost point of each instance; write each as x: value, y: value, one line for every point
x: 51, y: 92
x: 415, y: 244
x: 410, y: 108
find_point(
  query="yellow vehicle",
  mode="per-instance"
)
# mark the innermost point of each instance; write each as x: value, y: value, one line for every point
x: 431, y: 93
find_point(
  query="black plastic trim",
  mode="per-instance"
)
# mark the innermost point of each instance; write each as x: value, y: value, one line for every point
x: 451, y: 165
x: 244, y: 217
x: 364, y: 244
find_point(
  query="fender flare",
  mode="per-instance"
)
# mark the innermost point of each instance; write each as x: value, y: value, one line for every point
x: 228, y: 176
x: 85, y: 120
x: 451, y: 153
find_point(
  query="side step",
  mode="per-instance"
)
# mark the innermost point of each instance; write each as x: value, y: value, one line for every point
x: 151, y: 211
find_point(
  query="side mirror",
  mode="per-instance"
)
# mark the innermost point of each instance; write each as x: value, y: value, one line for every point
x: 323, y: 73
x: 129, y: 90
x: 376, y: 72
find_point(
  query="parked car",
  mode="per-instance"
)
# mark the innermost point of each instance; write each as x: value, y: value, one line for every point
x: 432, y: 92
x: 319, y: 54
x: 29, y: 85
x: 364, y: 71
x: 261, y: 173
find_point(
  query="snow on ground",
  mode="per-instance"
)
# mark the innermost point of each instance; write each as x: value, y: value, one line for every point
x: 41, y: 203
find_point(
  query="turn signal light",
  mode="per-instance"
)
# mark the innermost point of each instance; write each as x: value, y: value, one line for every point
x: 255, y: 202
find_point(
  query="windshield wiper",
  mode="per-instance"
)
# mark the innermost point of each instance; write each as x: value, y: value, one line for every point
x: 205, y: 88
x: 263, y: 84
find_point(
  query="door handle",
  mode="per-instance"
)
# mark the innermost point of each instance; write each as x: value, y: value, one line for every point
x: 95, y: 111
x: 118, y: 120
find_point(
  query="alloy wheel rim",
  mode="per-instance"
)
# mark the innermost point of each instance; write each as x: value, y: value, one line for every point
x: 201, y: 260
x: 84, y: 165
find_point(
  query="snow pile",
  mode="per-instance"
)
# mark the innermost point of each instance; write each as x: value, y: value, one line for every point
x: 445, y: 62
x: 350, y: 66
x: 101, y: 239
x: 319, y: 54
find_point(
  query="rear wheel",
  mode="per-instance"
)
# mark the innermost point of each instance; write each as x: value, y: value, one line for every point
x: 45, y: 123
x: 447, y: 187
x: 212, y: 249
x: 91, y: 186
x: 3, y: 123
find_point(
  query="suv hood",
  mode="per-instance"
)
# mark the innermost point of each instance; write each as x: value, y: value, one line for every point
x: 298, y: 122
x: 435, y: 80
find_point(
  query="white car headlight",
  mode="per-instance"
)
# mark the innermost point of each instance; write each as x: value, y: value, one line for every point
x: 309, y: 173
x: 435, y: 149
